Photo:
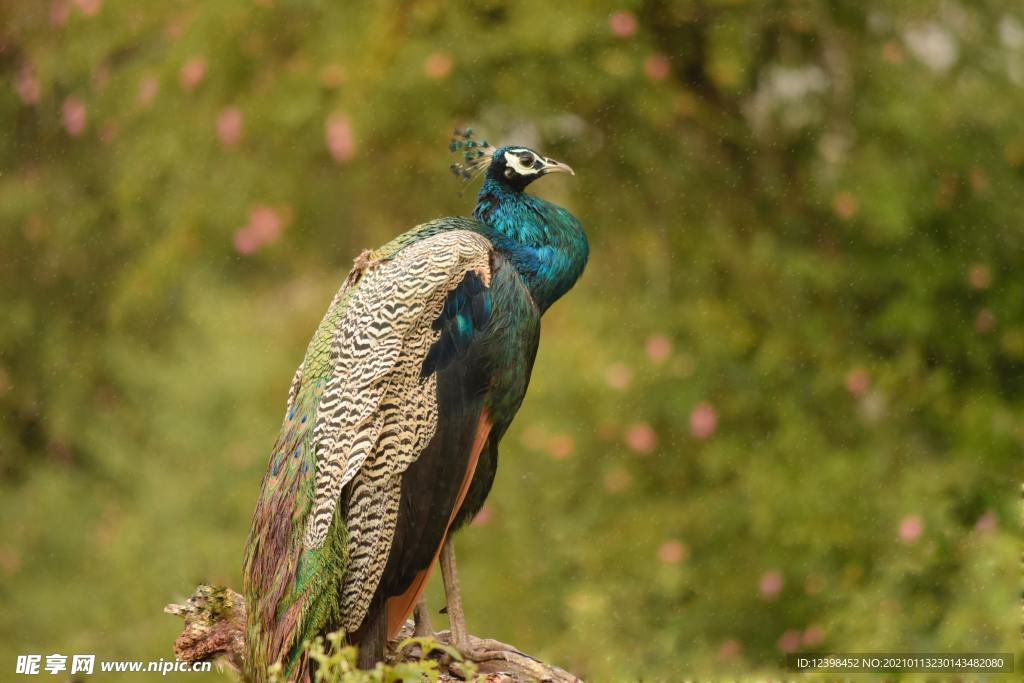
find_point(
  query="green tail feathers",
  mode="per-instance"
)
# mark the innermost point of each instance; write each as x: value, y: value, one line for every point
x: 292, y: 594
x: 306, y: 609
x: 318, y: 585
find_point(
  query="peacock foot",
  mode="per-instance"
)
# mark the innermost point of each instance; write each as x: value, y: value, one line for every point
x: 481, y: 659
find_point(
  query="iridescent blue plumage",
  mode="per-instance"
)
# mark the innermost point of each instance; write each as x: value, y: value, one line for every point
x: 544, y: 242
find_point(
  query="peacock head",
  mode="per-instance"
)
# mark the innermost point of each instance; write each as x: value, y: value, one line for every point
x: 512, y: 166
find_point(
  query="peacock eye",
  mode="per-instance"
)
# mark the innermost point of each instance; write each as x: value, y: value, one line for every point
x: 527, y: 159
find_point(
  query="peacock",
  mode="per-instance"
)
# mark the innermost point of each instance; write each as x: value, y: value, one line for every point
x: 390, y: 437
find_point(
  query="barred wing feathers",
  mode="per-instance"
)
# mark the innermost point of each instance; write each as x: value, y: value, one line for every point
x: 379, y: 410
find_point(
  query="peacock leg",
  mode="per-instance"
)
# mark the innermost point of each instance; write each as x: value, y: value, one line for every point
x: 421, y: 619
x: 489, y: 655
x: 456, y: 617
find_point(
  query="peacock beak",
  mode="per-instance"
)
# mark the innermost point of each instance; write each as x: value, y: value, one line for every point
x: 552, y: 166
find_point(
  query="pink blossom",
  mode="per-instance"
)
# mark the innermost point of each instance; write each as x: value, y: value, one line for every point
x: 986, y: 523
x: 74, y: 116
x: 483, y: 517
x: 148, y: 88
x: 771, y: 584
x: 561, y: 446
x: 789, y: 641
x: 729, y: 649
x: 88, y: 7
x: 229, y: 126
x: 340, y: 138
x: 265, y: 225
x: 640, y: 437
x: 437, y: 66
x: 26, y: 85
x: 703, y: 420
x: 672, y: 552
x: 618, y: 376
x: 979, y: 276
x: 657, y: 67
x: 911, y: 528
x: 658, y: 347
x: 857, y: 381
x: 813, y: 636
x: 623, y: 23
x: 192, y: 73
x: 59, y: 12
x: 245, y: 242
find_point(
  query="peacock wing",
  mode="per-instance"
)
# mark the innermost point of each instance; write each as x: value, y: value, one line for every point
x: 409, y: 316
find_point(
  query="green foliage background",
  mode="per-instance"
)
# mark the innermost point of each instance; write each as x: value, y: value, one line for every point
x: 783, y: 407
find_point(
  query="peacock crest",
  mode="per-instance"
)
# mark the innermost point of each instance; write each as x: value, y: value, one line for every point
x: 476, y: 154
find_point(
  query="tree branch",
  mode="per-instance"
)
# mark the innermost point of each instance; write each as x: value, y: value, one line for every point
x: 215, y: 631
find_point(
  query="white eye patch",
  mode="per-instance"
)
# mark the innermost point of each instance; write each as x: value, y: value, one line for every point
x: 514, y: 160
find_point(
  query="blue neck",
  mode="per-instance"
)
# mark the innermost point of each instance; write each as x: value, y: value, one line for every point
x: 544, y: 242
